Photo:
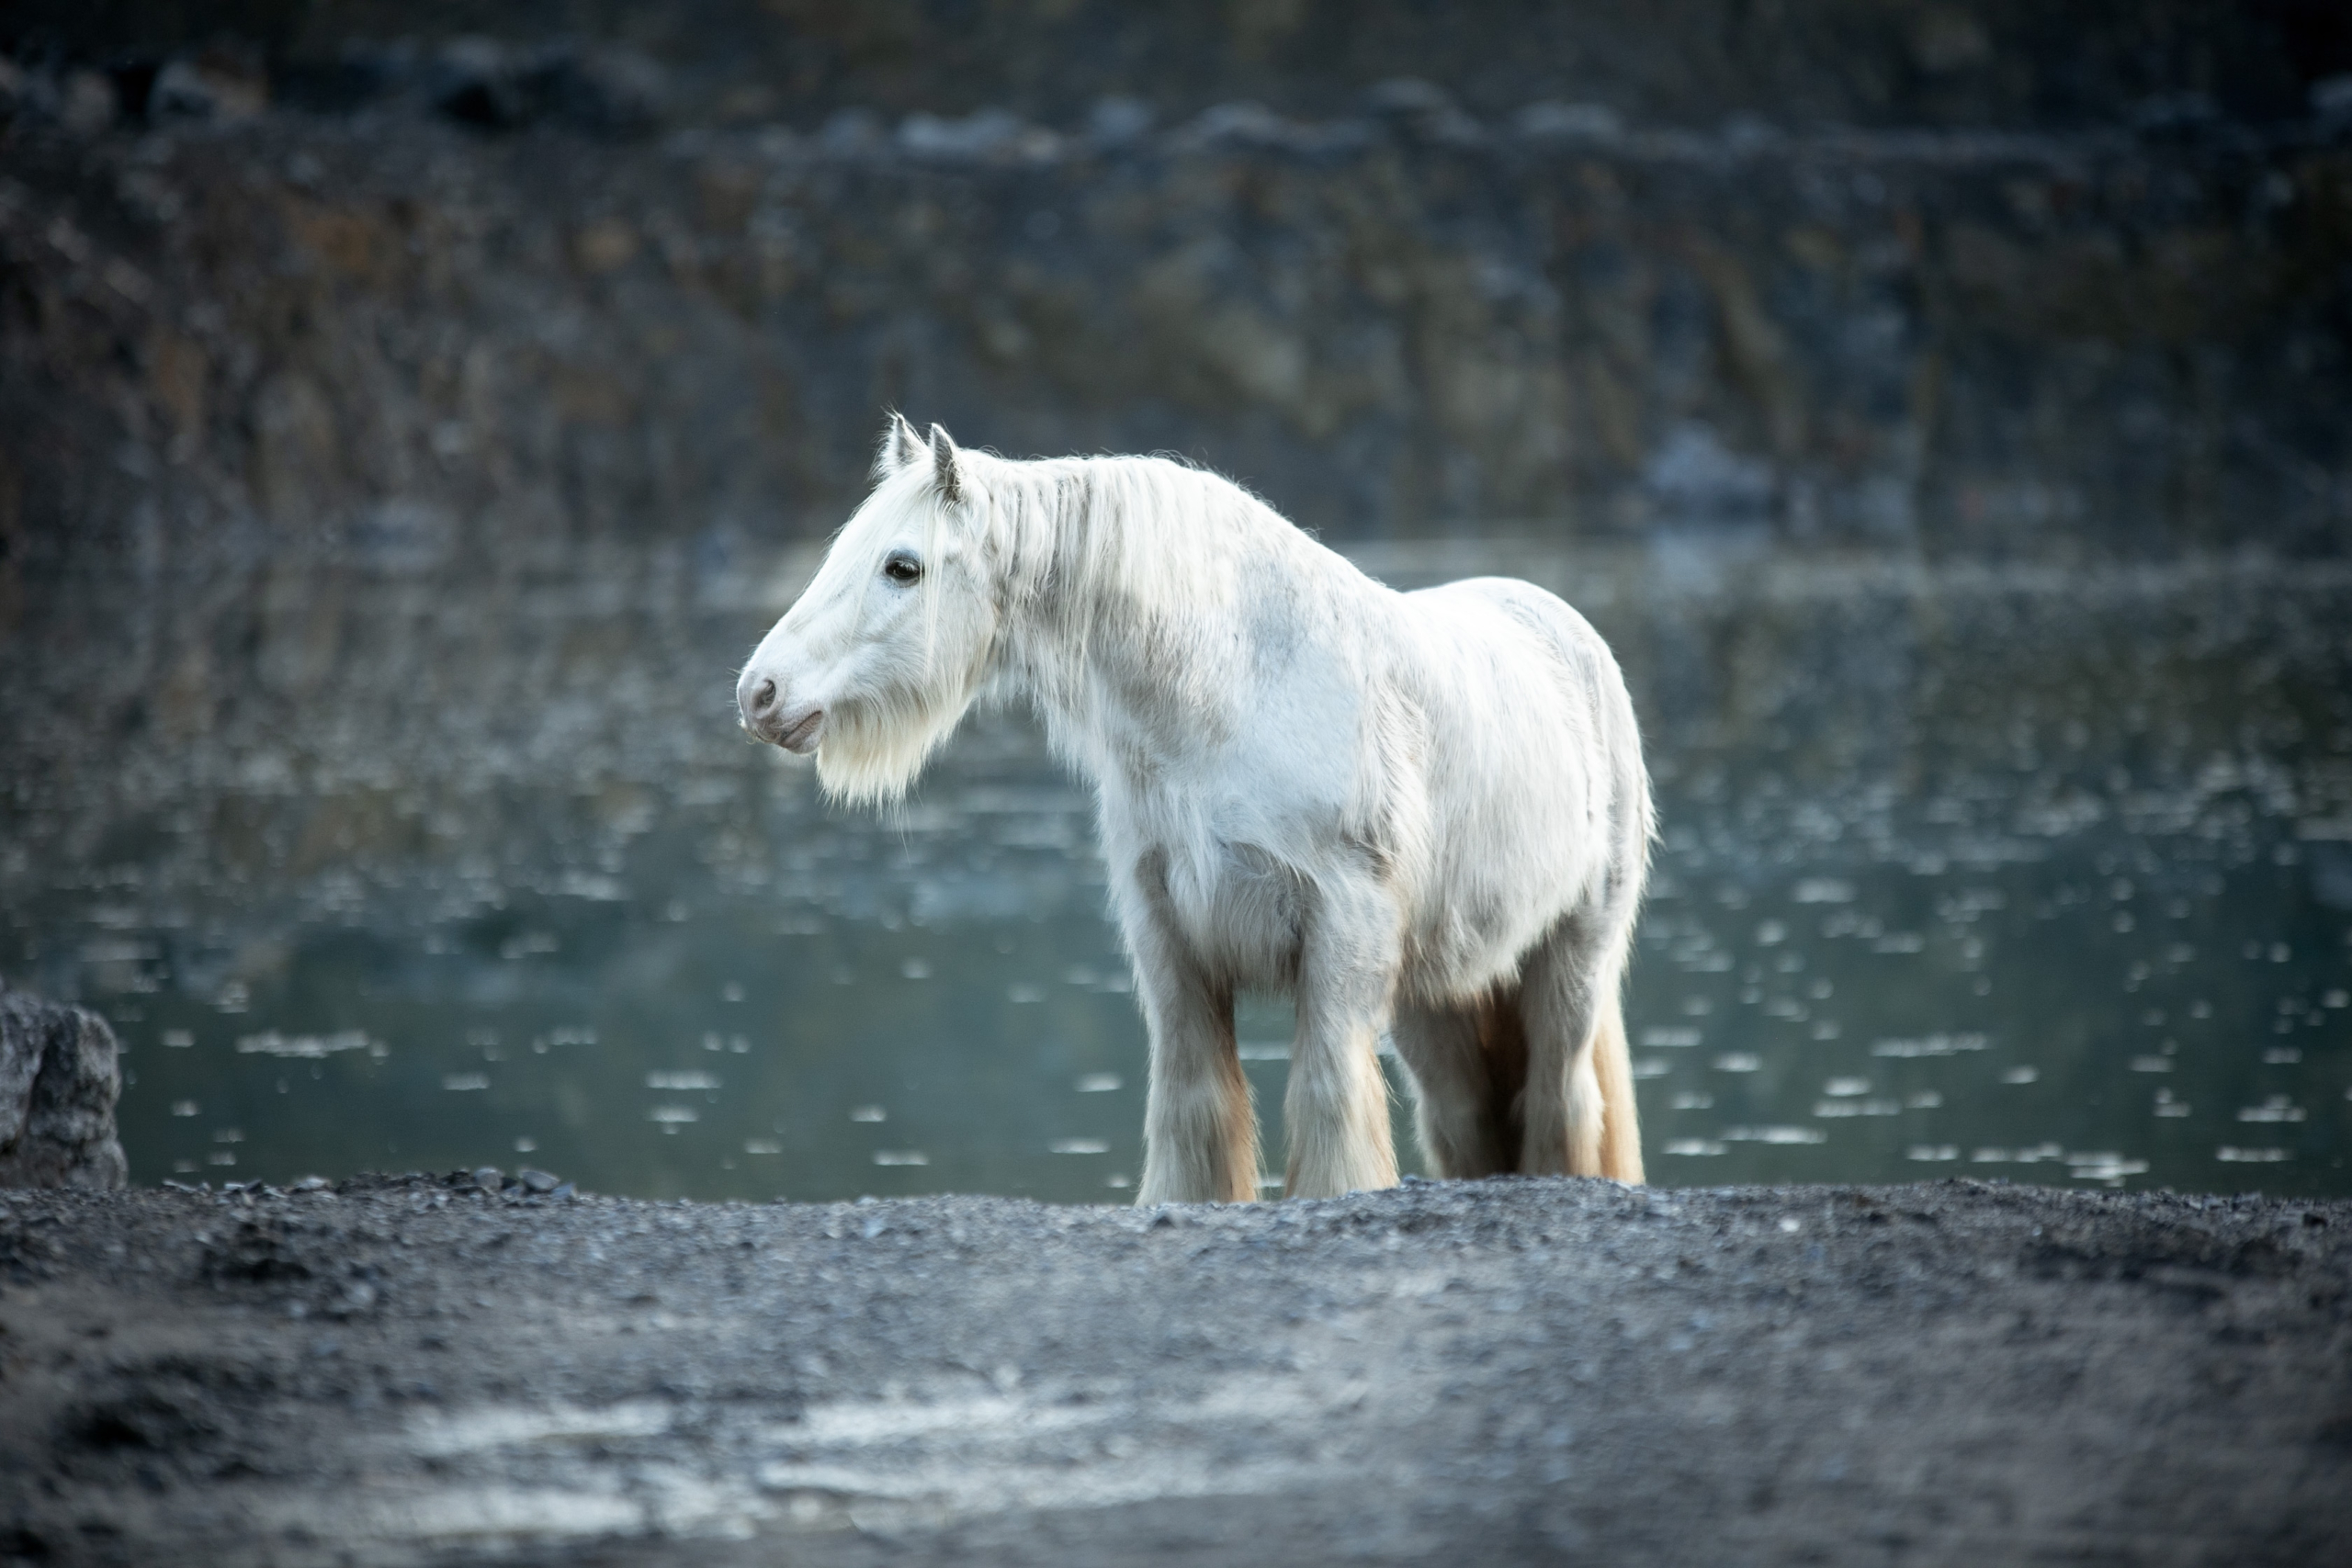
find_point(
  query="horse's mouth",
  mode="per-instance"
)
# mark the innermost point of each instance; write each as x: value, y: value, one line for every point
x: 800, y: 737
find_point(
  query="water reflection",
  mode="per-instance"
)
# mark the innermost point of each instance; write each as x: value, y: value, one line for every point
x: 2015, y: 872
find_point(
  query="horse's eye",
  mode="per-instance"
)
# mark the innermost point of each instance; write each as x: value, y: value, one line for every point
x: 903, y: 569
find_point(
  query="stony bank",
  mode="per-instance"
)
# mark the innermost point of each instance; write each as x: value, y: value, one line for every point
x: 412, y: 1370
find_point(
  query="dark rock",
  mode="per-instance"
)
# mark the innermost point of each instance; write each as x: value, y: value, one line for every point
x: 80, y: 103
x: 1987, y: 63
x: 851, y: 131
x: 2331, y: 100
x: 146, y: 1418
x: 59, y: 1082
x: 1422, y: 109
x: 499, y: 88
x: 217, y: 84
x: 257, y: 1252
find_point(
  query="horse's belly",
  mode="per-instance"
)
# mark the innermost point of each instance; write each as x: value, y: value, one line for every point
x: 1507, y: 863
x: 1467, y: 945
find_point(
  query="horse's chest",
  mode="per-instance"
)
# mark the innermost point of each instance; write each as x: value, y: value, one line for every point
x: 1240, y: 915
x: 1232, y: 845
x: 1247, y: 925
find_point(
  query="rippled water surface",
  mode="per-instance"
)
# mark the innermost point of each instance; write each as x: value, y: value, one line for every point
x: 2021, y: 872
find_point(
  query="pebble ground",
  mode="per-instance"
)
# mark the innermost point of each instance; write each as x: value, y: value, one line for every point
x: 419, y: 1370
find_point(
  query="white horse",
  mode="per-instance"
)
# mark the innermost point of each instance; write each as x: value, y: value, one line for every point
x: 1423, y: 812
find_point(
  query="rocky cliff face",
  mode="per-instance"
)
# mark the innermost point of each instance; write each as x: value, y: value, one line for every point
x: 408, y: 302
x: 2012, y: 65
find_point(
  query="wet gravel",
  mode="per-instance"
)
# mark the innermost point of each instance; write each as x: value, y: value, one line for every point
x: 482, y: 1368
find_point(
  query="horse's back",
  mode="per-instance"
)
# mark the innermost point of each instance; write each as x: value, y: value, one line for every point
x: 1596, y: 703
x: 1497, y: 640
x: 1534, y: 759
x: 1469, y: 605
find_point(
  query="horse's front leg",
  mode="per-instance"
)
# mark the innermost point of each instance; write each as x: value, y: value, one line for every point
x: 1337, y: 1107
x: 1200, y: 1135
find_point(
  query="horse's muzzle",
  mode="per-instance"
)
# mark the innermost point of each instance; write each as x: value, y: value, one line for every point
x: 797, y: 732
x: 766, y: 715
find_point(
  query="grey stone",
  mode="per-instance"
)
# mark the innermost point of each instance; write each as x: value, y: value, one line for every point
x: 1693, y: 472
x: 980, y: 135
x: 59, y: 1080
x: 1586, y: 122
x: 1119, y: 120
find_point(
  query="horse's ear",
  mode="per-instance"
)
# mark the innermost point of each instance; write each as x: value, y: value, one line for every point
x: 942, y: 459
x: 901, y: 446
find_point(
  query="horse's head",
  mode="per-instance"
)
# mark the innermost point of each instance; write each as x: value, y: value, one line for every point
x: 881, y: 654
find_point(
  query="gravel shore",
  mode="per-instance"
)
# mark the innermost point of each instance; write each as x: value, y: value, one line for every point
x: 419, y: 1370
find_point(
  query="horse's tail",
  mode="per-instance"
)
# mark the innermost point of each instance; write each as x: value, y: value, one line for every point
x: 1621, y: 1125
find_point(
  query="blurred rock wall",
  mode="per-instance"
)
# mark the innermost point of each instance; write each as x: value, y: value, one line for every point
x: 1954, y: 278
x: 2012, y: 65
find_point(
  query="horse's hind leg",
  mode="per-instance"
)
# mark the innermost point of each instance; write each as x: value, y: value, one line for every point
x: 1568, y: 1003
x: 1467, y: 1060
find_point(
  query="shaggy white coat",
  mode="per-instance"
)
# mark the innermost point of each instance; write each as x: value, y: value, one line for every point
x: 1418, y: 813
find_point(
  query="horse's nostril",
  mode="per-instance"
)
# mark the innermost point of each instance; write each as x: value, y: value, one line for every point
x: 764, y: 698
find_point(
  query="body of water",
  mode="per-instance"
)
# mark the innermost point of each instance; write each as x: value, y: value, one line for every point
x: 2025, y: 872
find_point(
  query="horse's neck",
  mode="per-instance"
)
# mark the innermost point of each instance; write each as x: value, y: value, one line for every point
x: 1121, y: 679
